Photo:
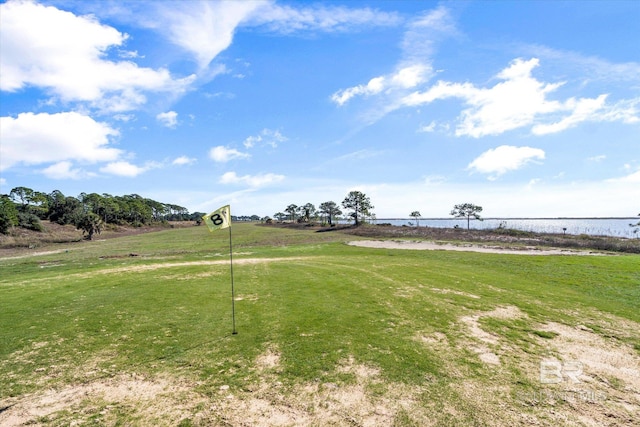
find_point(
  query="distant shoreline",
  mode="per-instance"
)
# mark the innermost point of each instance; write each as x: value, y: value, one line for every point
x: 514, y: 218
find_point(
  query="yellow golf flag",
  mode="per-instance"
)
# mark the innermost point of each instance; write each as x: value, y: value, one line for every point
x: 218, y: 219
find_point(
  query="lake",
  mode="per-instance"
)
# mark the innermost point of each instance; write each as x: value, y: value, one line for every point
x: 617, y: 227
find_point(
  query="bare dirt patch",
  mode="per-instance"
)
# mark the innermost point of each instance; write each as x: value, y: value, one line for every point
x: 485, y: 338
x: 269, y: 360
x: 271, y: 403
x: 597, y: 381
x: 605, y: 367
x: 465, y: 247
x: 156, y: 401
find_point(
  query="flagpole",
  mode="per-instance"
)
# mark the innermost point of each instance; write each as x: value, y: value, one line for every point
x: 233, y: 299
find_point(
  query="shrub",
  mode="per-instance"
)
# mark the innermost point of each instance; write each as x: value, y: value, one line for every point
x: 30, y: 221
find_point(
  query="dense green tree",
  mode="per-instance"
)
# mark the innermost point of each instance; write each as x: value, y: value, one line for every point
x: 467, y: 210
x: 90, y: 224
x: 359, y: 203
x: 65, y: 210
x: 8, y: 214
x: 330, y: 210
x: 54, y: 203
x: 56, y: 207
x: 292, y: 210
x: 23, y: 196
x: 307, y: 212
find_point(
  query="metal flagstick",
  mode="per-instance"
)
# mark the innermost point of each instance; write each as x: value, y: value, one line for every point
x: 233, y: 299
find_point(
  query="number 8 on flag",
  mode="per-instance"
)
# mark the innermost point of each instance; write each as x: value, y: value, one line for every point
x: 218, y: 219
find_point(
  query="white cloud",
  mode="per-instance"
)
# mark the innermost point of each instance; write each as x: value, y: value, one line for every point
x: 203, y: 28
x: 505, y: 158
x: 513, y: 103
x: 168, y: 119
x: 43, y: 138
x: 597, y: 159
x: 125, y: 169
x: 404, y: 78
x: 287, y: 19
x: 374, y: 86
x: 124, y: 117
x: 251, y: 141
x: 580, y: 110
x: 431, y: 127
x: 259, y: 180
x: 633, y: 177
x: 183, y: 160
x: 65, y: 170
x: 265, y: 137
x: 520, y: 100
x: 223, y: 154
x: 49, y: 48
x: 414, y: 68
x: 423, y: 33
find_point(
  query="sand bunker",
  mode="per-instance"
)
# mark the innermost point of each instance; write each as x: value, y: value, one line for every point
x: 465, y: 247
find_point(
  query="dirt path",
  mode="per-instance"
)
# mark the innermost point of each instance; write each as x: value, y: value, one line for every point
x: 465, y: 247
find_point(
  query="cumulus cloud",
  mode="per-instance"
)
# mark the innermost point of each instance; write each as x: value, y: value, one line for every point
x: 510, y: 104
x: 520, y: 100
x: 126, y: 169
x: 168, y: 119
x: 403, y: 78
x: 44, y: 138
x: 66, y: 54
x: 259, y: 180
x: 223, y: 154
x: 183, y: 160
x: 65, y: 170
x: 505, y: 158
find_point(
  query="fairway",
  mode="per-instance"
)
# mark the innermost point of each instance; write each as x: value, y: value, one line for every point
x: 138, y: 331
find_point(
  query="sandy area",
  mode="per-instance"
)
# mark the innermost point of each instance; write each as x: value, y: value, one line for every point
x: 465, y: 247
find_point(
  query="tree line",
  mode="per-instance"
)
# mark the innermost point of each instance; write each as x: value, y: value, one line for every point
x: 26, y: 208
x: 357, y: 202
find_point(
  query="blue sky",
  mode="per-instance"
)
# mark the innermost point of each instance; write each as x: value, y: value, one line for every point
x: 527, y: 108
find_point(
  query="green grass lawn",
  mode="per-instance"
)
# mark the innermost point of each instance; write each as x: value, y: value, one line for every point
x: 137, y: 331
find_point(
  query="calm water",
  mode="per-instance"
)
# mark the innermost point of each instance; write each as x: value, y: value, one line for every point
x: 618, y: 227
